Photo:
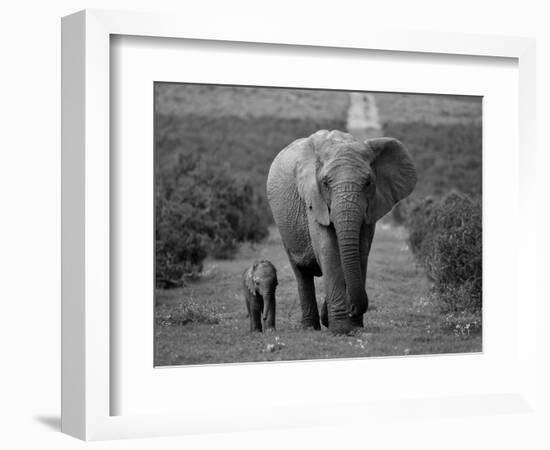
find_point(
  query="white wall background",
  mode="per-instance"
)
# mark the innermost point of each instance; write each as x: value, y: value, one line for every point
x: 30, y: 200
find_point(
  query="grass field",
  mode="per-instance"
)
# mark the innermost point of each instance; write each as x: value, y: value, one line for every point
x: 401, y: 320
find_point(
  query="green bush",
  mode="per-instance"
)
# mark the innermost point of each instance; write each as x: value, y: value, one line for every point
x: 445, y: 236
x: 201, y: 210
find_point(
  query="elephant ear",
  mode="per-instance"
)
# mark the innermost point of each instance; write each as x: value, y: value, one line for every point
x: 250, y: 280
x: 306, y: 182
x: 395, y: 175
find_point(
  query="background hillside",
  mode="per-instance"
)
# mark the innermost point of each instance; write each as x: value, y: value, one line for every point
x: 443, y: 134
x: 241, y: 127
x: 245, y: 127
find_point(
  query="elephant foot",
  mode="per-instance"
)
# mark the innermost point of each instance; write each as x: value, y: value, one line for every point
x: 324, y: 314
x: 357, y: 321
x: 311, y: 324
x: 342, y: 327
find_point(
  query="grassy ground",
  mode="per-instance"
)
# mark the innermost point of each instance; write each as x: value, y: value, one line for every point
x: 401, y: 319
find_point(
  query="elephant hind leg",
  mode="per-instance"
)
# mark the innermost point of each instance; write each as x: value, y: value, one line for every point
x: 308, y: 302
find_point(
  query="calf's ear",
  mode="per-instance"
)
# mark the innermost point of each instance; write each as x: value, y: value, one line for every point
x: 249, y: 281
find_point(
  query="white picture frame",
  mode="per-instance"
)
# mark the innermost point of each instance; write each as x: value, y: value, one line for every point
x: 87, y: 355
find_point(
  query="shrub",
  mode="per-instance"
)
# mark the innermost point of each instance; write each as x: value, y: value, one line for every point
x: 417, y: 224
x: 445, y: 236
x: 202, y: 209
x: 181, y: 242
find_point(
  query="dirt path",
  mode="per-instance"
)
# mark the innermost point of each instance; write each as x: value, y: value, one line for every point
x: 362, y: 121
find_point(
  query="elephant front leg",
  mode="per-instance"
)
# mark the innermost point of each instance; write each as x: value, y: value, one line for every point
x: 269, y: 323
x: 308, y: 302
x: 336, y: 308
x: 255, y: 311
x: 338, y: 317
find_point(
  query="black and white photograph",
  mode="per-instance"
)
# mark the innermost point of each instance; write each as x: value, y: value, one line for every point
x: 300, y: 224
x: 288, y: 225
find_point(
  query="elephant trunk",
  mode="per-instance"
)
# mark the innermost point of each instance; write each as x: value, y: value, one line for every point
x: 348, y: 211
x: 268, y: 298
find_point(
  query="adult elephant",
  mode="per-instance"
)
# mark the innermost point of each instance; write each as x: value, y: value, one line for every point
x: 326, y: 193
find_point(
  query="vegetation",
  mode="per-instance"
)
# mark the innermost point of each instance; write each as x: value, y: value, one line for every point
x: 245, y: 146
x: 214, y: 147
x: 445, y: 236
x: 200, y: 210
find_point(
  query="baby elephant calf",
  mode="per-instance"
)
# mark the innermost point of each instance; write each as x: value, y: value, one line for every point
x: 260, y: 282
